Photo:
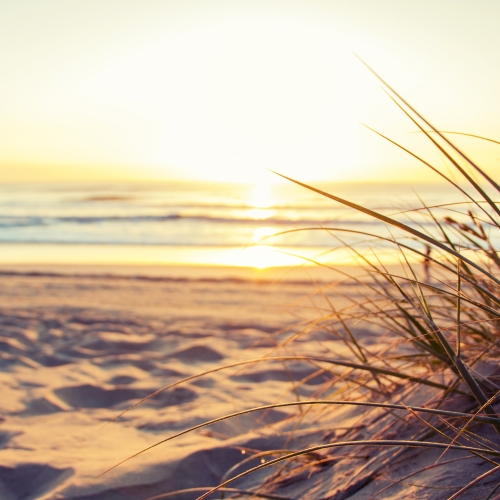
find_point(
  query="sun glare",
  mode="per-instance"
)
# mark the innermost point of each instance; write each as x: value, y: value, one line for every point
x: 271, y: 99
x: 261, y: 196
x: 177, y: 94
x: 261, y: 201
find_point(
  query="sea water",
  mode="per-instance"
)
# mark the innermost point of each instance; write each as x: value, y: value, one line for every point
x: 196, y: 223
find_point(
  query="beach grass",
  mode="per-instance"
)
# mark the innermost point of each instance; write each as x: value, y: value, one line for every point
x: 421, y: 371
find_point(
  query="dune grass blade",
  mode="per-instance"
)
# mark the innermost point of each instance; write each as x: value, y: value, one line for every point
x: 475, y: 481
x: 412, y: 320
x: 378, y: 442
x: 493, y: 491
x: 464, y: 429
x: 339, y: 362
x: 478, y: 418
x: 475, y: 389
x: 478, y: 188
x: 395, y: 223
x: 466, y: 376
x: 427, y: 164
x: 269, y: 496
x: 466, y: 277
x: 464, y: 298
x: 467, y: 135
x: 414, y: 473
x: 441, y: 205
x: 251, y: 458
x: 488, y: 178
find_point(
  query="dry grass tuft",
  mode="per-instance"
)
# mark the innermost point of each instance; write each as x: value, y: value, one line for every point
x: 414, y: 388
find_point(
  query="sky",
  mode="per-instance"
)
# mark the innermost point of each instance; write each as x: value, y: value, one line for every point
x: 223, y: 90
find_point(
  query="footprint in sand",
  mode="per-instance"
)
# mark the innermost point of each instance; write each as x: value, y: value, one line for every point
x: 91, y: 396
x: 197, y: 353
x: 31, y: 480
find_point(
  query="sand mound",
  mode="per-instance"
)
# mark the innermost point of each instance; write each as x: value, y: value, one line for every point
x: 68, y: 368
x: 30, y: 480
x: 197, y: 353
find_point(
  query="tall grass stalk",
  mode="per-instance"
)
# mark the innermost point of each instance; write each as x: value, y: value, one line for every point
x: 437, y: 331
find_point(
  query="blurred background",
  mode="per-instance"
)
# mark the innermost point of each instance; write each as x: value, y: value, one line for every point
x: 141, y: 132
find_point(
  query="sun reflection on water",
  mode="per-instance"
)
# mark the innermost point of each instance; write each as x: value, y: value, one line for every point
x: 260, y: 214
x: 262, y: 232
x: 261, y: 257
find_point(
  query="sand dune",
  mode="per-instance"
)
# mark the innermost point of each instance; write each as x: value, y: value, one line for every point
x: 76, y: 351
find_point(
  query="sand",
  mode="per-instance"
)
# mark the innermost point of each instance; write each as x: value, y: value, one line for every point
x: 78, y: 346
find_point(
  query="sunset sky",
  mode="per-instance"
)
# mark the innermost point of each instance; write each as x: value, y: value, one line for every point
x: 160, y: 89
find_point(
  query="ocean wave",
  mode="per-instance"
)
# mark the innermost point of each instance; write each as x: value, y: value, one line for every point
x: 26, y: 221
x: 284, y: 278
x: 322, y: 206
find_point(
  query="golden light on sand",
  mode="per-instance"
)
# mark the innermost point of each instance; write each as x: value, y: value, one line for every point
x: 258, y: 257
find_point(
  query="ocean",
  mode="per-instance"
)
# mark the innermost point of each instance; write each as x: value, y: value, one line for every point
x: 192, y: 223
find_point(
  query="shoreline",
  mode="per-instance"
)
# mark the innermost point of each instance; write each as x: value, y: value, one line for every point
x: 299, y: 274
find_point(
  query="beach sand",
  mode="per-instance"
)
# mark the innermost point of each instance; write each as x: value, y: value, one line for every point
x: 79, y: 345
